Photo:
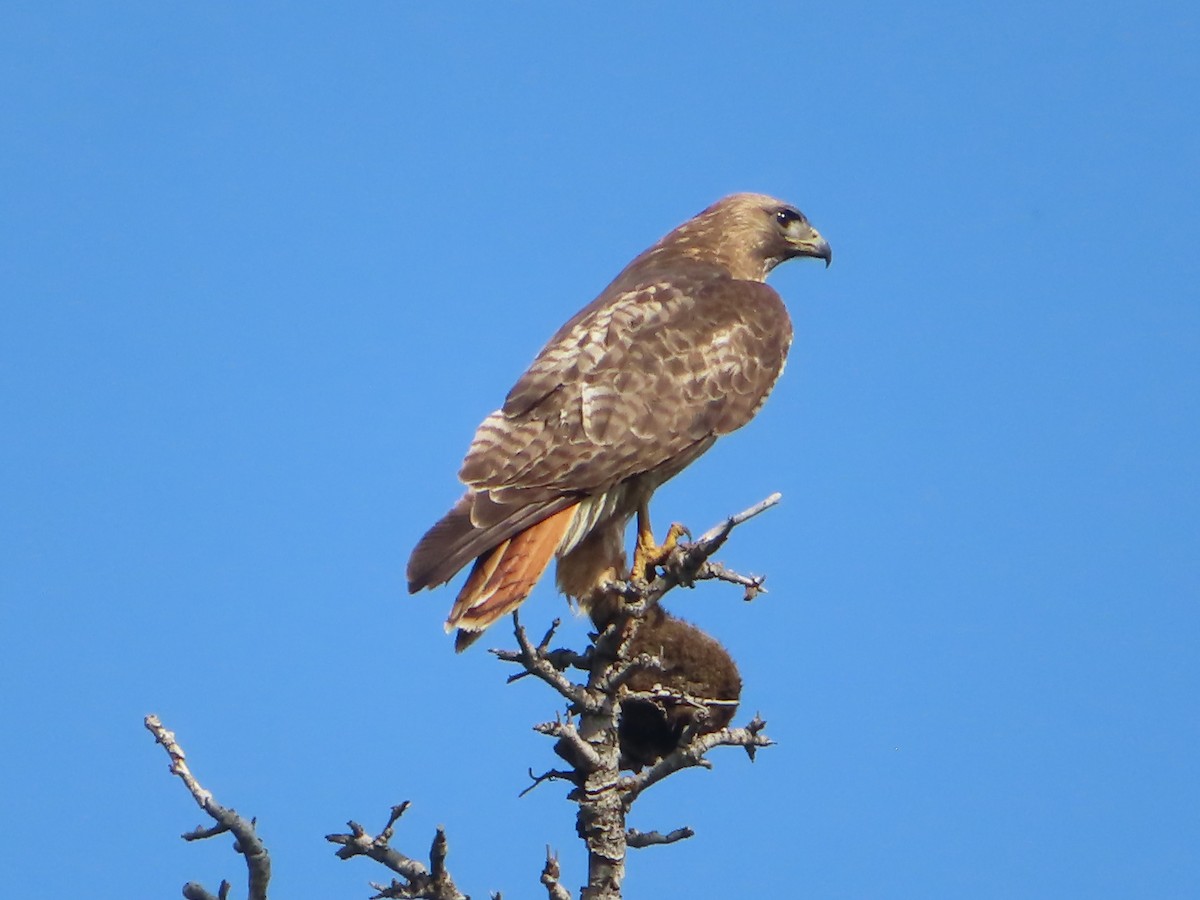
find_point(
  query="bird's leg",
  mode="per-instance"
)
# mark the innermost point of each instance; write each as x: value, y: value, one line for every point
x: 648, y: 553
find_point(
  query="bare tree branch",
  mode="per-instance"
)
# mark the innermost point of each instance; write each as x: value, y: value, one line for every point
x: 638, y: 839
x: 689, y: 562
x: 752, y: 583
x: 561, y: 659
x: 712, y: 539
x: 571, y: 745
x: 551, y: 775
x: 550, y: 876
x: 623, y: 668
x: 433, y: 883
x: 247, y: 841
x: 693, y: 753
x: 193, y: 891
x: 536, y: 662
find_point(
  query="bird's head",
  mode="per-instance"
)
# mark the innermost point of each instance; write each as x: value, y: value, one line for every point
x: 752, y: 234
x: 771, y: 231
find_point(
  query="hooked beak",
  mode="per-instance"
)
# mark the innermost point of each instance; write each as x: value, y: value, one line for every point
x: 815, y: 246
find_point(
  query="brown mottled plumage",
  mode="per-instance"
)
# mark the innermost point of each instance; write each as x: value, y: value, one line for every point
x: 682, y: 347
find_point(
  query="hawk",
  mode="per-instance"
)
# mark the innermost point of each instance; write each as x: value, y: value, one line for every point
x: 682, y: 347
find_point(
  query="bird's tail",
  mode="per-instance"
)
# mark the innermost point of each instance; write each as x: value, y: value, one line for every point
x: 503, y: 577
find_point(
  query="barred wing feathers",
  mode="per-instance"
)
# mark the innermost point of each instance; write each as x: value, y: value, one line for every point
x: 639, y: 382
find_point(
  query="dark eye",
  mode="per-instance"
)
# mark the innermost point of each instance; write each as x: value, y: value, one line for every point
x: 787, y: 217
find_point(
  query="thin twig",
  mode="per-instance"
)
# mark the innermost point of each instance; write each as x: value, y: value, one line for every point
x: 549, y: 636
x: 551, y: 775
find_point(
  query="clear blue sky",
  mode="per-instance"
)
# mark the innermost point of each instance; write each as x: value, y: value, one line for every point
x: 264, y: 267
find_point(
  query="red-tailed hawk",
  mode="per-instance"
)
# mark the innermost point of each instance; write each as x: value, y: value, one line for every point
x: 682, y: 347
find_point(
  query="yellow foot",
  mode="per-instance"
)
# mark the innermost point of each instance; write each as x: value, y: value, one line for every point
x: 647, y: 555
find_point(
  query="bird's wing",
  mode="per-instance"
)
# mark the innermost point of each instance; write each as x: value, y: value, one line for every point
x: 632, y: 384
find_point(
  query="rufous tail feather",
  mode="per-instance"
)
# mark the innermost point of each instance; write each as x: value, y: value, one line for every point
x: 503, y: 577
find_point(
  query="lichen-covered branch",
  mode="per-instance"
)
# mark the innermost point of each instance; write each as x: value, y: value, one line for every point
x: 246, y: 839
